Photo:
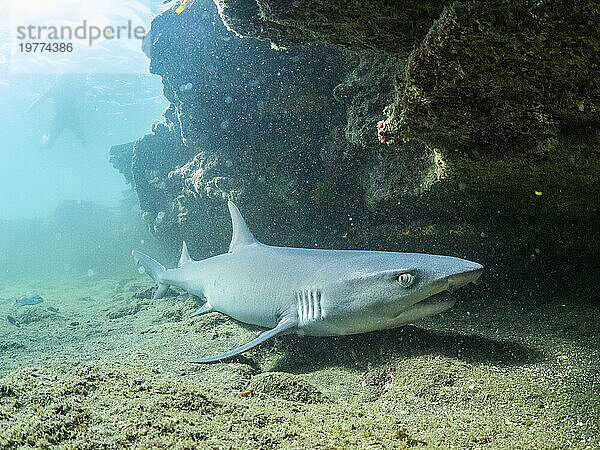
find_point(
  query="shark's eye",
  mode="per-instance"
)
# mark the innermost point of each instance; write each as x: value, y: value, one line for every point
x: 405, y: 279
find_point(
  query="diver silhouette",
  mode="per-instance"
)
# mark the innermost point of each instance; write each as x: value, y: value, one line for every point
x: 67, y: 95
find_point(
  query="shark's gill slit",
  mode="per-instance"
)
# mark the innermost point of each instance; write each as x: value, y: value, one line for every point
x: 309, y: 305
x: 297, y: 295
x: 318, y: 307
x: 304, y: 306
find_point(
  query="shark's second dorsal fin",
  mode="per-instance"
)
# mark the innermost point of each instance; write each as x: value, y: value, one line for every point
x: 241, y: 233
x: 185, y: 256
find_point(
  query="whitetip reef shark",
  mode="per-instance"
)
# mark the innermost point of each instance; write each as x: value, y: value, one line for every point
x: 311, y: 291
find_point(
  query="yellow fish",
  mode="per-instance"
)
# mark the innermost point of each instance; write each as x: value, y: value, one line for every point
x: 184, y: 4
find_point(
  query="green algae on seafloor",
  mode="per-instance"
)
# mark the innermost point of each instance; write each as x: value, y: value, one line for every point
x: 478, y: 374
x: 286, y: 386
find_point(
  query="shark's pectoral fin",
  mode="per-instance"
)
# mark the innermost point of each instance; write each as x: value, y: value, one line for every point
x: 285, y: 325
x: 205, y: 309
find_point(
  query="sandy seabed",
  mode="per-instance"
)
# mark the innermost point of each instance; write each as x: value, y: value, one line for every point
x: 99, y: 364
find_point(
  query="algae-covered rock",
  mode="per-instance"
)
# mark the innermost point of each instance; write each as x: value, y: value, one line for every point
x: 514, y: 82
x: 36, y: 314
x: 128, y: 309
x: 503, y: 78
x: 286, y: 386
x: 388, y: 26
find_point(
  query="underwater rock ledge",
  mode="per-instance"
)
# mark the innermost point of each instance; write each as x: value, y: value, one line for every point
x: 504, y: 95
x: 244, y: 122
x: 493, y: 75
x: 383, y: 26
x: 503, y: 80
x: 292, y: 137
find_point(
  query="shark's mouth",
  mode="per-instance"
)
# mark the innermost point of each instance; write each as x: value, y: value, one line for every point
x: 440, y: 297
x: 435, y: 304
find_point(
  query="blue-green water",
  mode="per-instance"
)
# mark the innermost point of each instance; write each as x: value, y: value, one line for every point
x: 44, y: 161
x: 64, y: 207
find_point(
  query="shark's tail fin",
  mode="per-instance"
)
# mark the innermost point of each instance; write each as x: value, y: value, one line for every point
x: 153, y: 268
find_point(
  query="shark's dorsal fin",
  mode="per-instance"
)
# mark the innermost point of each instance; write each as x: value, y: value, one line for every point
x: 241, y: 233
x: 185, y: 256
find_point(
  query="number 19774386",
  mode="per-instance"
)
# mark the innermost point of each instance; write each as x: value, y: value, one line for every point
x: 54, y: 47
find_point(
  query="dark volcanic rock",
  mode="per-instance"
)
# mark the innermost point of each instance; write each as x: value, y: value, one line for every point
x: 120, y: 158
x: 245, y: 123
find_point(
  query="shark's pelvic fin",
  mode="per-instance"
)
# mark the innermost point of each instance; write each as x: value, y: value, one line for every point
x: 241, y: 233
x: 205, y: 309
x: 185, y: 256
x: 284, y: 326
x: 161, y: 290
x: 153, y: 268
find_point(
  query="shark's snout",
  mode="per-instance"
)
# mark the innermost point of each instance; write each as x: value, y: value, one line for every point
x: 469, y: 275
